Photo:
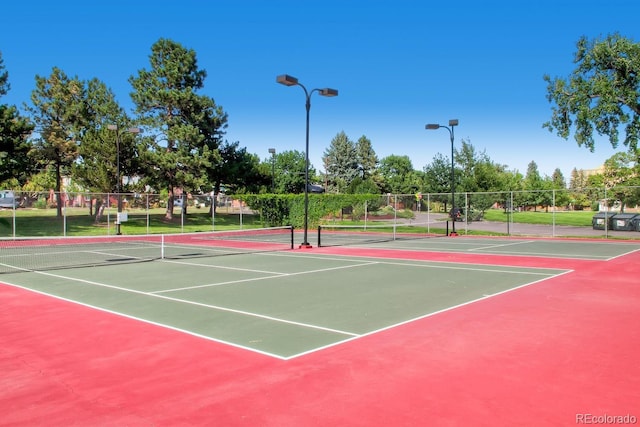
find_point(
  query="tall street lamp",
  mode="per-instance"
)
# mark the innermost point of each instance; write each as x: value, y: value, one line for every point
x: 273, y: 169
x: 452, y: 123
x: 116, y: 128
x: 292, y: 81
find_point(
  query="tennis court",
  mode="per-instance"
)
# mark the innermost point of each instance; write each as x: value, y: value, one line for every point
x: 354, y: 304
x: 538, y: 247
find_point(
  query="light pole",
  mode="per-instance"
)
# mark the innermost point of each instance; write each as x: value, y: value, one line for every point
x: 452, y: 123
x: 116, y: 128
x: 273, y: 169
x: 292, y: 81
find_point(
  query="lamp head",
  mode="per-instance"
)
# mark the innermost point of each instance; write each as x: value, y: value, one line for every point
x: 287, y: 80
x: 432, y: 126
x: 272, y: 150
x: 453, y: 122
x: 130, y: 130
x: 328, y: 92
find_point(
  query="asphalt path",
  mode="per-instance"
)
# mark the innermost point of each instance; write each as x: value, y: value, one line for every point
x: 520, y: 229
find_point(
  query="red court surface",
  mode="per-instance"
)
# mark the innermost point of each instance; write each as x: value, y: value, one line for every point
x: 548, y: 354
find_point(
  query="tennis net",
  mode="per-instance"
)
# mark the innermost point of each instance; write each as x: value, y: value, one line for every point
x: 40, y: 254
x: 341, y: 235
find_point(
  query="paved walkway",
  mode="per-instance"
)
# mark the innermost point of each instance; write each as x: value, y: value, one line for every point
x: 518, y: 229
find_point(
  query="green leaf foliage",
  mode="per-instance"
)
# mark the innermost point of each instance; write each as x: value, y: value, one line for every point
x: 288, y: 209
x: 601, y: 95
x: 188, y: 127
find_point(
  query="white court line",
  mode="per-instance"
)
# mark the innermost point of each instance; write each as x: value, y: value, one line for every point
x: 215, y: 307
x: 621, y: 255
x: 449, y: 266
x: 489, y: 270
x: 223, y: 267
x: 263, y: 278
x: 509, y: 254
x: 501, y: 245
x: 455, y: 265
x: 150, y: 322
x: 422, y: 317
x: 351, y: 335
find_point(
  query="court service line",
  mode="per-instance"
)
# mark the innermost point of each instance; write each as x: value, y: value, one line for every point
x: 435, y: 264
x: 197, y: 264
x: 500, y: 245
x: 261, y: 278
x: 489, y: 270
x: 509, y: 254
x: 199, y: 304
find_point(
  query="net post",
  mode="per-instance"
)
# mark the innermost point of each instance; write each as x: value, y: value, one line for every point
x: 292, y: 233
x: 319, y: 233
x: 162, y: 246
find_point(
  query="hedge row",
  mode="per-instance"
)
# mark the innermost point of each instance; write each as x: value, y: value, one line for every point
x: 288, y: 209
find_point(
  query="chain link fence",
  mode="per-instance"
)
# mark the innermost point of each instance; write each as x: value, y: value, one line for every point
x: 589, y: 212
x: 597, y: 212
x: 32, y: 214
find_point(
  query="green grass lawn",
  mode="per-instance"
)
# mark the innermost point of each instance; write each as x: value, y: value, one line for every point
x: 574, y: 218
x: 78, y: 222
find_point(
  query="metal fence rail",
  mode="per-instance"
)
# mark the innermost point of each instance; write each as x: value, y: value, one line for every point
x: 77, y: 213
x: 65, y: 214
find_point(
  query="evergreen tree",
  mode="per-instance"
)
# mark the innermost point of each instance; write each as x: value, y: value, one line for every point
x: 578, y: 179
x: 15, y: 165
x: 188, y: 127
x: 341, y: 162
x: 533, y: 186
x: 61, y: 113
x: 366, y: 158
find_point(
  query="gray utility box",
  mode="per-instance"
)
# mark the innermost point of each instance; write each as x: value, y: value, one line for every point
x: 624, y: 221
x: 602, y: 220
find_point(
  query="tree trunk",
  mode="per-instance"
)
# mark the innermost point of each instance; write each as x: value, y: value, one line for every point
x: 100, y: 204
x: 168, y: 215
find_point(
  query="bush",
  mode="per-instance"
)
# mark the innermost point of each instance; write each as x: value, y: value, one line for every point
x: 41, y: 203
x: 288, y: 209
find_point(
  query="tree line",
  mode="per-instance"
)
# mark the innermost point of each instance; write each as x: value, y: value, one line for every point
x: 76, y: 129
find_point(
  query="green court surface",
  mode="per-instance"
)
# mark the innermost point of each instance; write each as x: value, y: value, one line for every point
x: 554, y: 248
x: 283, y: 304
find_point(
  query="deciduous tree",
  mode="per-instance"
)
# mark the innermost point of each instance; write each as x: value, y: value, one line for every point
x: 601, y: 95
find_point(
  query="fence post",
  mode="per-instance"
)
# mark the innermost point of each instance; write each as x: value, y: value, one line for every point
x: 428, y: 213
x: 63, y: 208
x: 553, y: 215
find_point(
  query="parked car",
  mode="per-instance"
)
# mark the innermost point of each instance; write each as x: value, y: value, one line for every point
x: 8, y: 199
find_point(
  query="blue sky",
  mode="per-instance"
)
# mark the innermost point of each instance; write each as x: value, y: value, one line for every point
x: 398, y: 65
